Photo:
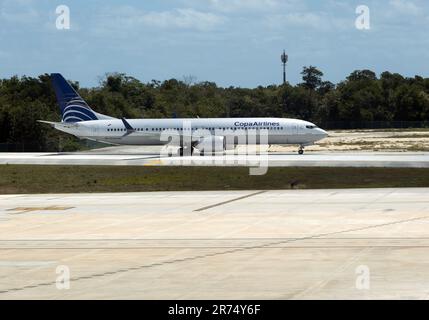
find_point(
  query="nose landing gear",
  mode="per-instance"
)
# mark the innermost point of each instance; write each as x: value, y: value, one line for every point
x: 301, y: 150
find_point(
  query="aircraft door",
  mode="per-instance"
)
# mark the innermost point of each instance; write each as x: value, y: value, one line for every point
x: 294, y: 129
x: 94, y: 130
x: 292, y: 132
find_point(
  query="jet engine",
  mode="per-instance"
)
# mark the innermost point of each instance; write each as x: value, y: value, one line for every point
x: 211, y: 144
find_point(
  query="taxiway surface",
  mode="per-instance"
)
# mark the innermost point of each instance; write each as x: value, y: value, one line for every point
x: 356, y: 243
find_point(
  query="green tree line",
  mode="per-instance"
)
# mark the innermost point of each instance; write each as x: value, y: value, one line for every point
x: 361, y: 99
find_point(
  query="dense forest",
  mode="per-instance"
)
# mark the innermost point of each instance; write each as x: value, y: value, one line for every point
x: 362, y: 100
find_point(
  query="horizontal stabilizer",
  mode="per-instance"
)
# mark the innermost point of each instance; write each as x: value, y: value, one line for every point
x: 60, y: 124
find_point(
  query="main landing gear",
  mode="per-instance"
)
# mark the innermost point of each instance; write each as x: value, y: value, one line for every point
x: 301, y: 150
x: 181, y: 151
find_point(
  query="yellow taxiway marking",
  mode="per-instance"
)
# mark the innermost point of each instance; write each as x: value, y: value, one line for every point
x: 154, y: 163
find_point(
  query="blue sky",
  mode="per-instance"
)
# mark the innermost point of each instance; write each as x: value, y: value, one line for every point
x: 231, y: 42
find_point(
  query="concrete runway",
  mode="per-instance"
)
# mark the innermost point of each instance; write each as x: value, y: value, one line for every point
x: 151, y: 158
x: 209, y: 245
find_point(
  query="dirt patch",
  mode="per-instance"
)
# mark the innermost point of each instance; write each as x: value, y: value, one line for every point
x: 369, y: 140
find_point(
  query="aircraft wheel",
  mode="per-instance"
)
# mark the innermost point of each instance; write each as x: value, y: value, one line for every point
x: 300, y: 151
x: 181, y: 152
x: 202, y: 153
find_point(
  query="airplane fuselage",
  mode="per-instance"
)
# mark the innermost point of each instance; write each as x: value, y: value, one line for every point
x: 150, y: 131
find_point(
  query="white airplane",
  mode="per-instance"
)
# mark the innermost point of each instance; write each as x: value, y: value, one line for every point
x: 204, y: 135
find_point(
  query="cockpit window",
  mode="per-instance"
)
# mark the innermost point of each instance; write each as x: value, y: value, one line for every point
x: 311, y: 127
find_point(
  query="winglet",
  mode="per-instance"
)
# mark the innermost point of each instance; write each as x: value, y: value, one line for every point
x: 128, y: 127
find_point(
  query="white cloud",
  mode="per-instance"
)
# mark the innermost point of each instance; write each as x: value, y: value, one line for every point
x: 21, y: 12
x: 128, y: 18
x: 317, y: 21
x: 182, y: 18
x: 238, y: 5
x: 405, y: 7
x: 308, y: 19
x: 245, y: 6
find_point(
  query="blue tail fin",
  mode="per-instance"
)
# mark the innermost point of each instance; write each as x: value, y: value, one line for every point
x: 73, y: 107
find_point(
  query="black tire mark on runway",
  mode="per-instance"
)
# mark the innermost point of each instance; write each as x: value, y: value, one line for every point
x: 142, y: 158
x: 209, y: 255
x: 229, y: 201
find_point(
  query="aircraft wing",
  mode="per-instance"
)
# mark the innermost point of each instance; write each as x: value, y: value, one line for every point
x: 131, y: 130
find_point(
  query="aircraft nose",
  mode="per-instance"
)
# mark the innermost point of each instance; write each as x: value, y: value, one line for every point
x: 321, y: 133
